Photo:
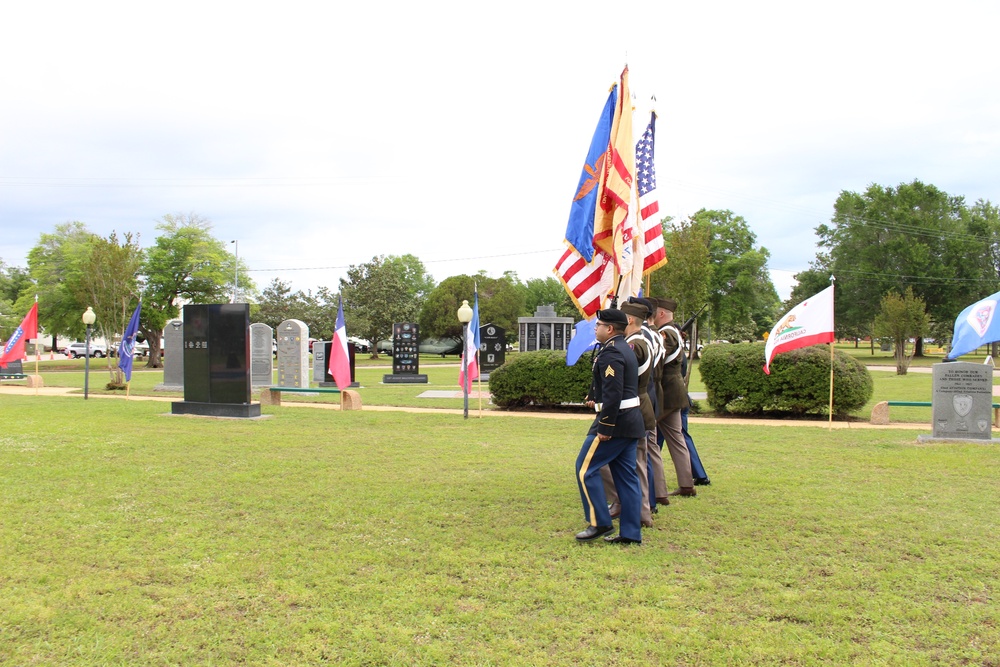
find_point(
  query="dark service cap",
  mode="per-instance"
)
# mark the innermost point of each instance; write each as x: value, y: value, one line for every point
x: 612, y: 316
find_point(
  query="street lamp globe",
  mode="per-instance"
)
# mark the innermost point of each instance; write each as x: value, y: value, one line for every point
x: 465, y: 312
x: 89, y: 316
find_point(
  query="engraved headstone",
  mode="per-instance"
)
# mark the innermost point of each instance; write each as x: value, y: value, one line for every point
x: 173, y: 356
x: 963, y: 400
x: 492, y: 348
x: 544, y: 330
x: 261, y: 355
x: 321, y: 365
x: 293, y: 354
x: 320, y: 349
x: 405, y: 355
x: 216, y: 361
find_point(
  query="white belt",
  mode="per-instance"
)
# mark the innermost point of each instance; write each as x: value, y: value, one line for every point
x: 627, y: 403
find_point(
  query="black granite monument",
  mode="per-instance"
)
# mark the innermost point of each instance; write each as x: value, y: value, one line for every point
x: 217, y: 361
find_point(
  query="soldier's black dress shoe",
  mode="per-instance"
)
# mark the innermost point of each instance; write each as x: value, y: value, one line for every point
x: 618, y: 539
x: 593, y: 532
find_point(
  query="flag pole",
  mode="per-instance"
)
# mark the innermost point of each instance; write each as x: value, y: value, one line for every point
x: 830, y: 425
x: 37, y: 352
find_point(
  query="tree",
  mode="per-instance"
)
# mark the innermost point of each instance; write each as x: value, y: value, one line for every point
x: 501, y: 302
x: 376, y: 296
x: 419, y: 283
x: 56, y: 265
x: 687, y: 275
x: 185, y: 264
x: 900, y: 318
x: 14, y: 282
x: 109, y: 283
x: 912, y: 235
x: 743, y: 302
x: 548, y: 291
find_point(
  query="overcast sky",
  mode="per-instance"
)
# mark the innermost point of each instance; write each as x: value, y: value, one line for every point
x: 321, y: 134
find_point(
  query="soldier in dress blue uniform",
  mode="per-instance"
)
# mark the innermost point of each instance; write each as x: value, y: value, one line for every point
x: 612, y: 438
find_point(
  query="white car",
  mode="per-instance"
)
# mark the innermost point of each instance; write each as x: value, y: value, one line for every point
x: 74, y: 350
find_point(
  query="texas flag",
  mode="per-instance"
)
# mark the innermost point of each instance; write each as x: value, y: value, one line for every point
x: 809, y: 323
x: 340, y: 361
x: 471, y: 352
x: 28, y: 329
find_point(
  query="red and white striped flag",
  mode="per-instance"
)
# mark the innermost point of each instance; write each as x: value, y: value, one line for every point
x: 654, y: 253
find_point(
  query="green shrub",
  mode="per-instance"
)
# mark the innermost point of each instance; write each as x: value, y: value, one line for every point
x: 540, y: 378
x: 799, y: 382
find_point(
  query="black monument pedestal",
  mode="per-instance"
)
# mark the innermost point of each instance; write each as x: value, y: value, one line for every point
x: 235, y: 410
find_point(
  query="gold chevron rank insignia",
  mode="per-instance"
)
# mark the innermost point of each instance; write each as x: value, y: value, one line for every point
x: 609, y: 372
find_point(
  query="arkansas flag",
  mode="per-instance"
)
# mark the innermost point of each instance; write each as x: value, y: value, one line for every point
x: 471, y: 351
x: 340, y: 361
x: 28, y: 329
x: 975, y: 326
x: 809, y: 323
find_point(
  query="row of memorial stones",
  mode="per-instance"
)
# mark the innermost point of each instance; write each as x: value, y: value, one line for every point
x: 293, y: 356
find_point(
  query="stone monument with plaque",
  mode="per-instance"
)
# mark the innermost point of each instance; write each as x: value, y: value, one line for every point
x: 405, y: 355
x: 544, y: 330
x: 321, y: 364
x: 216, y: 361
x: 321, y: 348
x: 261, y: 355
x: 173, y: 357
x: 293, y: 354
x: 962, y: 406
x: 492, y: 349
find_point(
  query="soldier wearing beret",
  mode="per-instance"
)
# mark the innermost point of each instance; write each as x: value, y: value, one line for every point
x: 636, y: 313
x: 673, y: 396
x: 612, y: 438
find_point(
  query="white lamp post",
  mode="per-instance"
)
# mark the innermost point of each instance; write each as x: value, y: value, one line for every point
x: 465, y: 316
x: 236, y: 269
x: 88, y: 318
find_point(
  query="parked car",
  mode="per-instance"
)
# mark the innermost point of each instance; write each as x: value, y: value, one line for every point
x: 74, y: 350
x: 360, y: 344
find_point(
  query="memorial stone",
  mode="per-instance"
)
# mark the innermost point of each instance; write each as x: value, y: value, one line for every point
x: 261, y: 355
x: 217, y: 361
x: 293, y: 354
x: 321, y: 367
x: 405, y: 355
x: 963, y: 400
x: 544, y: 330
x: 173, y: 357
x: 321, y: 348
x: 492, y: 348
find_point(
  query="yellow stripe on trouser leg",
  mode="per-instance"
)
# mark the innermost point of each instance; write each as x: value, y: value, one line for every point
x: 583, y: 473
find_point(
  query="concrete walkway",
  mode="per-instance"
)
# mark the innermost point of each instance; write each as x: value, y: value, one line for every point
x: 71, y: 392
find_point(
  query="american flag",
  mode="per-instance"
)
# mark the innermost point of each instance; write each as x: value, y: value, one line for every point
x: 654, y: 255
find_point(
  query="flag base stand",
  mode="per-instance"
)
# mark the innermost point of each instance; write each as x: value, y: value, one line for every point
x: 417, y: 378
x: 232, y: 410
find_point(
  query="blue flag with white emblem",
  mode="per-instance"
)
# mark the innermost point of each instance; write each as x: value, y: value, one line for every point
x: 977, y: 325
x: 127, y: 348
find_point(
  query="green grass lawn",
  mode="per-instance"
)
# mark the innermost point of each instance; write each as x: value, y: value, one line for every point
x: 443, y: 376
x: 130, y: 537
